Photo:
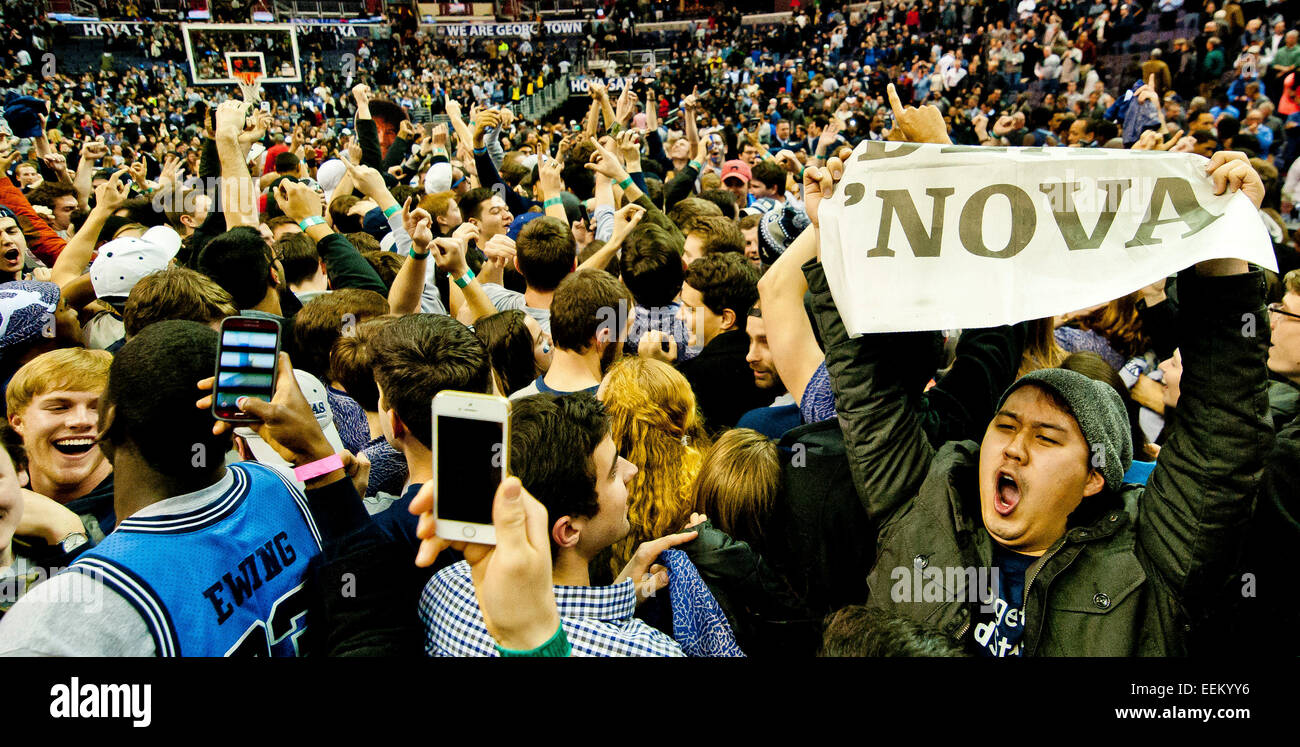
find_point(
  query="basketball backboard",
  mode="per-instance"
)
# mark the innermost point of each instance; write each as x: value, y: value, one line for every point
x: 219, y: 52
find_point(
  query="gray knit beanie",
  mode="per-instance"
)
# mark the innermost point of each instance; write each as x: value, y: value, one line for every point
x: 1099, y: 412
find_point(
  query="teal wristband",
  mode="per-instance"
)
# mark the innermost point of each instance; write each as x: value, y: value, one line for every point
x: 416, y: 255
x: 557, y: 646
x: 625, y: 183
x: 552, y: 201
x: 309, y: 221
x: 698, y: 166
x: 464, y: 280
x: 388, y: 213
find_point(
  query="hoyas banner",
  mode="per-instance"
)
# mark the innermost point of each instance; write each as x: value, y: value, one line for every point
x: 923, y: 237
x: 341, y: 30
x: 111, y: 29
x: 581, y: 84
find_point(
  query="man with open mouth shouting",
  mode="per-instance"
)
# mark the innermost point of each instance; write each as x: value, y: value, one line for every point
x: 13, y: 246
x: 1026, y: 540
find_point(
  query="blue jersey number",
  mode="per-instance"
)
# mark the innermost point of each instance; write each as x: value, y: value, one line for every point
x: 277, y: 636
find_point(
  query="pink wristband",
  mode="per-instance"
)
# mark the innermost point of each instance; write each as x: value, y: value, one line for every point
x: 319, y: 467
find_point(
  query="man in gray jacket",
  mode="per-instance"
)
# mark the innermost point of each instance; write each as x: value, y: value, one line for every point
x: 1084, y: 564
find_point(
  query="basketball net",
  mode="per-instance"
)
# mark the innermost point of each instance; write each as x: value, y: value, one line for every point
x: 250, y: 84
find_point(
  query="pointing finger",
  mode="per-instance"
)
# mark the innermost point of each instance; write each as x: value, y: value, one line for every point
x: 894, y: 102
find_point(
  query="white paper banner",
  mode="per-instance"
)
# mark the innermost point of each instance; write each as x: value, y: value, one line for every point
x: 927, y: 237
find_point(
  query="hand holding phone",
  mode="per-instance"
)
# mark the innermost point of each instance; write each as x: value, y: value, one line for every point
x: 285, y: 421
x: 247, y: 353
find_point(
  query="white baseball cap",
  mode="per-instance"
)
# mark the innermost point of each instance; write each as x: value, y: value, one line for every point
x: 255, y: 152
x: 121, y: 263
x: 314, y: 391
x: 329, y: 174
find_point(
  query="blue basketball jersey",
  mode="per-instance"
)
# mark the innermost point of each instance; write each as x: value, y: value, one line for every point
x: 227, y: 579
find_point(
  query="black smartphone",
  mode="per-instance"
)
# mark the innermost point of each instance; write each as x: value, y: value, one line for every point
x: 248, y: 348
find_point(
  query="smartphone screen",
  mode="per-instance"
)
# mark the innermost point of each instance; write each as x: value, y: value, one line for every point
x: 470, y: 457
x: 246, y: 363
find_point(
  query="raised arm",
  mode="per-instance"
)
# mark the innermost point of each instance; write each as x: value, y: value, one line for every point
x: 548, y: 170
x: 451, y: 257
x: 458, y: 125
x: 238, y: 189
x: 625, y: 220
x: 692, y: 105
x: 408, y: 287
x: 367, y: 132
x: 591, y: 124
x: 343, y: 263
x: 76, y: 256
x: 1199, y: 500
x: 599, y: 94
x: 42, y: 240
x: 789, y: 332
x: 91, y: 152
x: 626, y: 107
x: 888, y: 450
x: 606, y: 108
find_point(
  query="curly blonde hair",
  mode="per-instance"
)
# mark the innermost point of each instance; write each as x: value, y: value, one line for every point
x: 655, y: 425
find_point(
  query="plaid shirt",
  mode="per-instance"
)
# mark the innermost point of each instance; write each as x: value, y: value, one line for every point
x: 597, y: 620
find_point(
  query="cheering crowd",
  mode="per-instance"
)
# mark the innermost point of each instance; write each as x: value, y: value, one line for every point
x: 702, y: 461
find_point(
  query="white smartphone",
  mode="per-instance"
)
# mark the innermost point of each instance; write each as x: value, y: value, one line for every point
x: 471, y: 437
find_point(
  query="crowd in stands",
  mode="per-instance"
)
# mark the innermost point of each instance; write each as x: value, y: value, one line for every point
x: 703, y: 462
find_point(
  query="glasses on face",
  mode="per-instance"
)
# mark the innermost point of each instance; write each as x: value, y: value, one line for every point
x: 1276, y: 308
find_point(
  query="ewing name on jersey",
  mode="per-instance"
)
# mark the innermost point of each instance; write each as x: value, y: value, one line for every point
x: 226, y: 579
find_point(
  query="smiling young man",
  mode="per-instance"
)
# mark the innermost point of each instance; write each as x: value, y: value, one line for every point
x: 209, y: 559
x: 53, y: 403
x: 1085, y: 564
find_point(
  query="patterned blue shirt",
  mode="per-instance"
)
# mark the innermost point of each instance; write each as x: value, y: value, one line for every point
x: 1074, y: 340
x: 349, y: 420
x: 818, y: 401
x: 388, y: 470
x: 597, y: 620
